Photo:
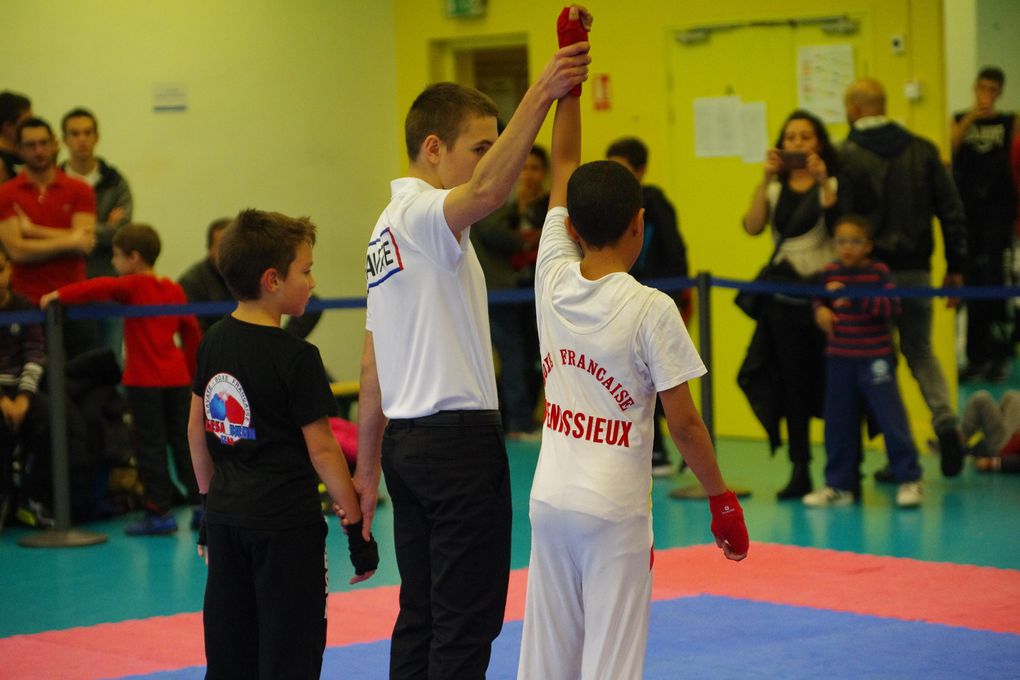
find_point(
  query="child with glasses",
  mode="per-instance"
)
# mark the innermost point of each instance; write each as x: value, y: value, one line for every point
x: 861, y: 371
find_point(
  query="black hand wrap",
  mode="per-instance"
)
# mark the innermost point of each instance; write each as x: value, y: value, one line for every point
x: 201, y: 525
x: 364, y: 554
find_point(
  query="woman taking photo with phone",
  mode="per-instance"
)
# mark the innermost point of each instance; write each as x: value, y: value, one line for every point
x: 784, y: 372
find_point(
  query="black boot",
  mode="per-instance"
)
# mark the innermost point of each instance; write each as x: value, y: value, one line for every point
x: 799, y: 484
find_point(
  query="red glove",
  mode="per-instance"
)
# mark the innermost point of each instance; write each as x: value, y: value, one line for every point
x: 570, y: 32
x: 728, y: 521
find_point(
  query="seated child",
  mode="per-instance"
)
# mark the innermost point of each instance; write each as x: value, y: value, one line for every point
x: 260, y: 441
x: 156, y: 371
x: 25, y: 423
x: 999, y: 424
x: 609, y: 347
x: 861, y: 370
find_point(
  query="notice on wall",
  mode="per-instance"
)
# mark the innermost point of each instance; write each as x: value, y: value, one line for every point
x: 754, y: 133
x: 727, y: 127
x: 823, y: 74
x: 169, y: 97
x: 717, y: 127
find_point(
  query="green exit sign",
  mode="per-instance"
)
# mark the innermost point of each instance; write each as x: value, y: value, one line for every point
x: 465, y: 8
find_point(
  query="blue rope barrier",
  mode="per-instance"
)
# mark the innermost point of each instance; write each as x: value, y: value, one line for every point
x: 518, y: 295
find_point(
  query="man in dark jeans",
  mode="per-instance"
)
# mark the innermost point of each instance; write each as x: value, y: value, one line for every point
x: 897, y: 180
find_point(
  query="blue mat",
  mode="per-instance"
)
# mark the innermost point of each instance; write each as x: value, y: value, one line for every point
x: 720, y: 637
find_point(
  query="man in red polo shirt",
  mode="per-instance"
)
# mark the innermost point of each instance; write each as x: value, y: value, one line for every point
x: 47, y: 219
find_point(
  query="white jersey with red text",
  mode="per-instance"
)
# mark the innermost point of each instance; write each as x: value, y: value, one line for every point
x: 607, y: 347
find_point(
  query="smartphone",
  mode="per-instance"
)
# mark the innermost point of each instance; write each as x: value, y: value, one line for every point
x: 793, y: 160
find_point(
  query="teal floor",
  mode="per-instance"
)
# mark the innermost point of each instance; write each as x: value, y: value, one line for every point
x: 968, y: 520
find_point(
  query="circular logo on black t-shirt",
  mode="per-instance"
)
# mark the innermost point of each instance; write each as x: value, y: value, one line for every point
x: 227, y: 413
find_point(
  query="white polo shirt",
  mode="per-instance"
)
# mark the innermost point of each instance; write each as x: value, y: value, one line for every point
x: 608, y: 347
x: 427, y: 308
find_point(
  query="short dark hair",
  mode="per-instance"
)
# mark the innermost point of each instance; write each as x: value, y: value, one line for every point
x: 257, y: 241
x: 859, y: 221
x: 631, y: 148
x: 441, y: 109
x: 826, y: 151
x: 993, y: 73
x: 78, y: 112
x: 12, y: 105
x: 215, y: 226
x: 33, y: 123
x: 138, y: 238
x: 602, y: 199
x: 541, y: 154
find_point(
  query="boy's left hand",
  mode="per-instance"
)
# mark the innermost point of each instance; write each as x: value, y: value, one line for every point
x: 728, y: 525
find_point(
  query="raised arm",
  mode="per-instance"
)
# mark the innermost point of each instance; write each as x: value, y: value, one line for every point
x: 499, y: 168
x: 757, y: 215
x: 566, y: 148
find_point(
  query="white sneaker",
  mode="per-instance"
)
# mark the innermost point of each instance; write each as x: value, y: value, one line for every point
x: 828, y: 497
x: 909, y: 495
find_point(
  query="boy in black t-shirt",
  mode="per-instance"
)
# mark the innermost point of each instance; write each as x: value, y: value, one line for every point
x: 259, y: 438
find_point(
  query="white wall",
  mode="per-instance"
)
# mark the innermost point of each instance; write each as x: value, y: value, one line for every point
x: 291, y: 107
x: 998, y: 30
x: 981, y: 33
x: 961, y: 52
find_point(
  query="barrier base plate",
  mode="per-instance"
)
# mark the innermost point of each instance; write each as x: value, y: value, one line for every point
x: 52, y: 538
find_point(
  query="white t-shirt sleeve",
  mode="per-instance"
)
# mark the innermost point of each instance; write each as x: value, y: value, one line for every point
x: 666, y: 346
x: 425, y: 228
x: 555, y: 247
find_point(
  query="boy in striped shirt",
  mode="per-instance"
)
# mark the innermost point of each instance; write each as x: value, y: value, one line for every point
x: 861, y: 371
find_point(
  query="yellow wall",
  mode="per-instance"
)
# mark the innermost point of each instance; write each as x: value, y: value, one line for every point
x: 633, y: 43
x: 291, y: 107
x: 298, y: 107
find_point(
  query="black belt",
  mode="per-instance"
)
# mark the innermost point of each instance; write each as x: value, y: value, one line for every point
x: 451, y: 419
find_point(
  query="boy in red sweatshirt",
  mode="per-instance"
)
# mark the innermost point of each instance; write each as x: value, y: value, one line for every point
x: 157, y: 373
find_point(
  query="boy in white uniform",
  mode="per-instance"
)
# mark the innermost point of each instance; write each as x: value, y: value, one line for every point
x: 427, y: 369
x: 609, y: 346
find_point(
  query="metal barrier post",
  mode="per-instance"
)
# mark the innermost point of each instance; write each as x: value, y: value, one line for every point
x: 697, y: 491
x: 705, y: 347
x: 62, y: 535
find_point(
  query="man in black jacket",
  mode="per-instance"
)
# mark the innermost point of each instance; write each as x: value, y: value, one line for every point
x: 899, y: 182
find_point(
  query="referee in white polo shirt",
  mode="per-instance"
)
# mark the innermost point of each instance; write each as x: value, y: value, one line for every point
x: 427, y: 369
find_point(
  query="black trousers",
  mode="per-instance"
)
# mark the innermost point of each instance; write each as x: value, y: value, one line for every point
x: 265, y: 603
x: 989, y: 322
x: 34, y: 438
x: 161, y: 418
x: 450, y: 487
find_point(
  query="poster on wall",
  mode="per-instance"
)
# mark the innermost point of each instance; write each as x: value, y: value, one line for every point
x: 727, y: 127
x: 823, y: 74
x: 717, y: 127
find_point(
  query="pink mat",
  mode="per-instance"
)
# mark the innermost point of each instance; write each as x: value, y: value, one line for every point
x: 981, y: 598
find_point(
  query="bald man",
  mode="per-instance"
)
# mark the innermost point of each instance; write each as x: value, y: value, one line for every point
x: 899, y: 182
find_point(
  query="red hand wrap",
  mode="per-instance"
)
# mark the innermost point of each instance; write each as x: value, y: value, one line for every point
x: 728, y: 521
x: 570, y: 32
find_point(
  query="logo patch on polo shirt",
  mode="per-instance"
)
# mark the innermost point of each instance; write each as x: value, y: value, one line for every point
x: 383, y: 259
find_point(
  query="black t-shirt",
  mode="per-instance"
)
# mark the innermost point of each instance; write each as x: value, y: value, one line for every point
x: 796, y: 213
x: 260, y: 385
x: 982, y: 169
